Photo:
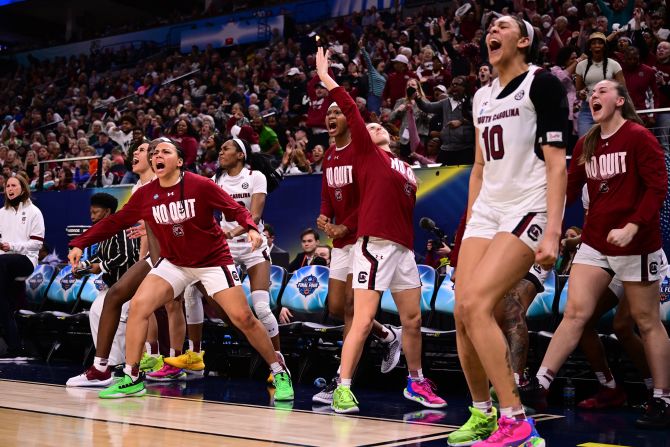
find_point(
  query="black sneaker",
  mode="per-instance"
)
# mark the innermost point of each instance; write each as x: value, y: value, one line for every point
x: 15, y: 355
x: 656, y: 414
x: 534, y: 395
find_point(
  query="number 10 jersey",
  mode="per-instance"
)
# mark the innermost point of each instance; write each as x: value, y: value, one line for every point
x: 507, y: 122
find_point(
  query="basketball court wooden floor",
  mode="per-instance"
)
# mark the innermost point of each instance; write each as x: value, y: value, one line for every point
x: 37, y: 410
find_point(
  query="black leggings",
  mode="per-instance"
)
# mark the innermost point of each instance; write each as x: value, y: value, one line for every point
x: 12, y: 266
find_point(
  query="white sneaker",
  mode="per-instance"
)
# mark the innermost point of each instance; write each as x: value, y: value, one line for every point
x: 392, y: 350
x: 92, y: 378
x: 325, y: 396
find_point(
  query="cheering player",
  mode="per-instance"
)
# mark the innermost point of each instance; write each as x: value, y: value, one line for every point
x: 515, y: 209
x: 383, y: 256
x: 179, y: 208
x: 339, y: 200
x: 622, y: 164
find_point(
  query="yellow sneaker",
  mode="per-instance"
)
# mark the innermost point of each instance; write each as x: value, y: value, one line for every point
x: 192, y: 361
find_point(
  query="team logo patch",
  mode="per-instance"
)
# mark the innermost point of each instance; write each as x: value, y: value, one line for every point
x: 534, y: 232
x: 99, y: 284
x: 245, y: 185
x: 67, y: 281
x: 338, y: 194
x: 23, y: 219
x: 604, y: 187
x: 236, y: 276
x: 307, y: 285
x: 177, y: 230
x: 408, y: 188
x: 519, y: 96
x: 170, y: 194
x: 554, y: 137
x: 362, y: 277
x: 35, y: 281
x: 155, y: 196
x: 653, y: 267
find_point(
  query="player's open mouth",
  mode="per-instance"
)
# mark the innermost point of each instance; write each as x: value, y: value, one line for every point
x: 332, y: 125
x: 494, y: 44
x: 160, y: 165
x: 135, y: 161
x: 596, y: 106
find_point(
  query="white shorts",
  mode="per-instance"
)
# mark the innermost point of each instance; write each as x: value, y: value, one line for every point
x: 341, y: 262
x: 486, y: 222
x: 214, y: 279
x: 243, y: 255
x: 636, y: 268
x: 380, y: 264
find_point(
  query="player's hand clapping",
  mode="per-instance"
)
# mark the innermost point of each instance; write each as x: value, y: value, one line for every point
x: 336, y: 231
x: 321, y: 222
x: 74, y: 256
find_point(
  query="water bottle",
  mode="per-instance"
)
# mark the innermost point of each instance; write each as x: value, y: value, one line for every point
x: 569, y: 394
x: 320, y: 382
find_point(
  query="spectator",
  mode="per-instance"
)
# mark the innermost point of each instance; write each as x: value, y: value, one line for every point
x: 396, y: 84
x: 640, y: 79
x: 123, y: 135
x: 322, y: 255
x: 663, y: 83
x: 619, y: 12
x: 317, y: 158
x: 103, y: 146
x: 319, y: 101
x: 270, y: 235
x: 267, y: 138
x: 458, y: 135
x: 183, y: 133
x: 564, y: 70
x: 597, y: 67
x: 309, y: 239
x: 65, y: 181
x: 22, y: 229
x: 376, y: 80
x: 400, y: 112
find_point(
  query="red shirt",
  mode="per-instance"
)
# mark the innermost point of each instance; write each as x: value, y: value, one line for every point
x: 386, y: 184
x: 318, y: 107
x: 339, y: 195
x: 627, y: 183
x: 638, y: 81
x: 189, y: 237
x: 664, y: 89
x: 396, y: 85
x: 190, y: 147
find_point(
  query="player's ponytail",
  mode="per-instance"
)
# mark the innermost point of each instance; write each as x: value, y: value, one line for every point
x: 258, y: 161
x: 592, y: 137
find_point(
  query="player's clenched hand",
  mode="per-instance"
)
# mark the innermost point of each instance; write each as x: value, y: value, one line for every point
x: 622, y: 236
x: 74, y: 257
x: 547, y: 252
x: 336, y: 231
x: 255, y: 239
x: 321, y: 222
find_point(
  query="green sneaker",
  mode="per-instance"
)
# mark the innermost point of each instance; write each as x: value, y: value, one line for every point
x: 125, y: 387
x: 283, y: 387
x: 477, y: 428
x: 344, y: 401
x: 149, y: 363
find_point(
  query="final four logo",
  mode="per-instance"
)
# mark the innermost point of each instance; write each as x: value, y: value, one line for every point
x: 308, y: 285
x: 665, y: 290
x: 36, y: 281
x: 67, y: 281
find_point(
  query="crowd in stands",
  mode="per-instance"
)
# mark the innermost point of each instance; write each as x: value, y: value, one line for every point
x: 414, y: 71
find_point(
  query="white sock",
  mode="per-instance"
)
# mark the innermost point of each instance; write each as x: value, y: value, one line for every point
x: 172, y: 352
x: 276, y: 368
x: 418, y: 377
x: 338, y: 370
x: 190, y: 345
x: 602, y: 379
x: 100, y: 364
x: 345, y: 383
x: 545, y: 377
x: 517, y: 378
x: 128, y: 369
x: 513, y: 413
x: 485, y: 407
x: 660, y: 393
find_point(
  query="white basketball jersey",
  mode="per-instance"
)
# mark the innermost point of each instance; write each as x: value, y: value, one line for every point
x: 139, y: 184
x: 241, y: 187
x: 514, y: 176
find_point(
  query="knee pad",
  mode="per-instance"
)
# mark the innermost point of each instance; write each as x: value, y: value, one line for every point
x: 261, y: 302
x: 195, y: 313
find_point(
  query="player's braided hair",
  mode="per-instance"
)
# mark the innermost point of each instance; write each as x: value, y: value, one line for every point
x: 593, y: 135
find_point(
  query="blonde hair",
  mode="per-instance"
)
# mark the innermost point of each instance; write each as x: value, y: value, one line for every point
x: 593, y: 135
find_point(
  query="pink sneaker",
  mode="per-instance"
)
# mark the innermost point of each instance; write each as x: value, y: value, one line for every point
x: 166, y: 374
x: 513, y: 433
x: 423, y: 392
